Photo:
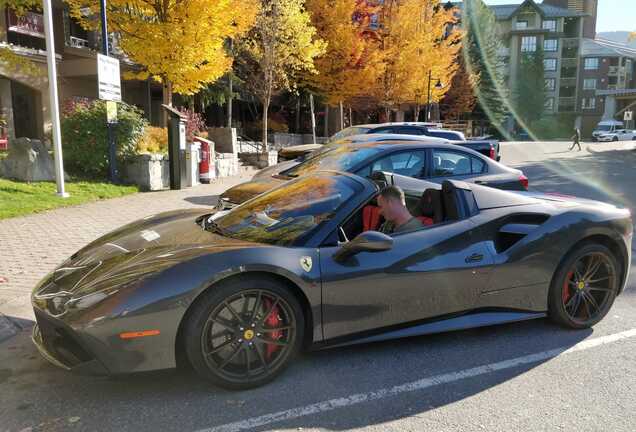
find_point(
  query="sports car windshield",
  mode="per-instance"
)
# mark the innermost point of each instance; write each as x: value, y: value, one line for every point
x: 338, y: 158
x: 354, y: 130
x: 288, y: 214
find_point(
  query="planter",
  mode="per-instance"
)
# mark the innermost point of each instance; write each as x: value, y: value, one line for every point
x: 149, y: 171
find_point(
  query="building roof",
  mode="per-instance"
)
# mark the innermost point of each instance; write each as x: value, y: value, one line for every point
x: 505, y: 12
x: 602, y: 47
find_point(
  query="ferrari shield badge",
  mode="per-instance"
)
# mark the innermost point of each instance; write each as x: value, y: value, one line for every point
x: 306, y: 263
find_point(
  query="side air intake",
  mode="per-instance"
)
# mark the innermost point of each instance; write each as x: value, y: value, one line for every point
x: 515, y: 228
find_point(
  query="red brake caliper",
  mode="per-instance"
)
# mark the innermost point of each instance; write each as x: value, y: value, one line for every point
x: 272, y: 321
x: 566, y: 287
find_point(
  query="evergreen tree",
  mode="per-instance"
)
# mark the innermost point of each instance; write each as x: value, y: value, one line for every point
x: 480, y: 49
x: 529, y: 90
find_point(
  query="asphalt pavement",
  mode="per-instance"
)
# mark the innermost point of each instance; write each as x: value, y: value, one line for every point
x: 530, y: 376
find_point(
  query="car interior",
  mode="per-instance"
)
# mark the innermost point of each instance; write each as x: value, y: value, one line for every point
x: 433, y: 206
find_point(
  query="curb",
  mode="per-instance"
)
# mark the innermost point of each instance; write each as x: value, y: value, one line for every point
x: 7, y: 328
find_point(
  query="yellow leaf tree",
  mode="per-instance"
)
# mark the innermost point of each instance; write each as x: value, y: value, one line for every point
x: 414, y: 40
x: 277, y: 51
x: 350, y: 64
x: 177, y: 42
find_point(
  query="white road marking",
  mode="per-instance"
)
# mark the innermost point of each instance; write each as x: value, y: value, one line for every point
x: 421, y: 384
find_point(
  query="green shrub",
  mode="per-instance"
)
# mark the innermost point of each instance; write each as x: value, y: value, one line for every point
x: 559, y: 126
x: 85, y: 136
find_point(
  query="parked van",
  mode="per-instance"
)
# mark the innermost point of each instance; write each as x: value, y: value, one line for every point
x: 606, y: 126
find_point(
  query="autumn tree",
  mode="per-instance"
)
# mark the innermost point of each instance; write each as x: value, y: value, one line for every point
x: 179, y: 43
x: 350, y: 65
x: 460, y: 97
x: 481, y: 46
x: 280, y: 47
x: 415, y: 40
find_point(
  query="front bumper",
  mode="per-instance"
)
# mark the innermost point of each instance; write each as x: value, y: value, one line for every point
x: 59, y: 345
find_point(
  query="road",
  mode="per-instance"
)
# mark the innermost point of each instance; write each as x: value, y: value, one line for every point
x: 529, y: 376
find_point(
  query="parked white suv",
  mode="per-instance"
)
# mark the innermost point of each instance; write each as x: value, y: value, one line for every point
x: 606, y: 127
x: 617, y: 135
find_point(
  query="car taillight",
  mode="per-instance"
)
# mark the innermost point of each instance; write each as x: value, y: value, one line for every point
x: 492, y: 152
x: 524, y: 181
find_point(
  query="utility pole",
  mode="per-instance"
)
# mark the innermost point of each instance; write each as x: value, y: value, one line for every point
x: 112, y: 148
x: 54, y: 103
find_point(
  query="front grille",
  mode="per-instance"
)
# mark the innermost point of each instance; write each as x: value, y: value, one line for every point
x: 60, y: 342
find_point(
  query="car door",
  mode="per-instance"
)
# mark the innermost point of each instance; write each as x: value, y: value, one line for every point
x: 455, y: 165
x: 435, y: 271
x: 411, y: 163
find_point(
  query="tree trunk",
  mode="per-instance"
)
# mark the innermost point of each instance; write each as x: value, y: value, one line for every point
x: 313, y: 118
x: 326, y: 131
x: 350, y: 116
x: 264, y: 135
x: 416, y: 114
x: 341, y: 115
x: 166, y: 100
x: 229, y: 102
x: 297, y: 129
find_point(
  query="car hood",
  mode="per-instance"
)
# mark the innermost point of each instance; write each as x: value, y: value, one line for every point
x: 245, y: 191
x: 135, y: 251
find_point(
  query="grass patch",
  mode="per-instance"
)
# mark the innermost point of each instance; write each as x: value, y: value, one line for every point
x: 18, y: 198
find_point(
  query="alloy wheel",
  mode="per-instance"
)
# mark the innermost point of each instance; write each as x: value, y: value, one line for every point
x: 588, y: 287
x: 248, y: 336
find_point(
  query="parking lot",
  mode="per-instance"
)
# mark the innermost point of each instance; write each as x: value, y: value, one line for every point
x: 528, y: 376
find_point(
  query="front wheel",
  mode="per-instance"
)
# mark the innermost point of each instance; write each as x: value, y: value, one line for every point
x: 584, y: 287
x: 615, y: 139
x: 244, y: 333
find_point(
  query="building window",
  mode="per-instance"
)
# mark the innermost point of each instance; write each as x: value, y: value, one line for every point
x: 589, y: 84
x: 550, y: 64
x: 588, y: 103
x: 550, y: 84
x: 591, y: 63
x: 550, y: 25
x: 549, y: 104
x: 550, y: 45
x: 520, y: 25
x: 528, y: 44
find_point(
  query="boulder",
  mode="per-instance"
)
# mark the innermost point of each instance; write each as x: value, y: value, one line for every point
x: 28, y: 160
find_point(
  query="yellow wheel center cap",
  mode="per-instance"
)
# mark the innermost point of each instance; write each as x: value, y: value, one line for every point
x: 248, y: 335
x: 581, y: 285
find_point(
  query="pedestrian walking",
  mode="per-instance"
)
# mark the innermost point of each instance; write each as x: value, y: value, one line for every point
x: 576, y: 138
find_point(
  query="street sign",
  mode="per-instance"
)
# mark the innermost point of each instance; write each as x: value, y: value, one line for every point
x: 111, y: 112
x: 108, y: 78
x: 628, y: 115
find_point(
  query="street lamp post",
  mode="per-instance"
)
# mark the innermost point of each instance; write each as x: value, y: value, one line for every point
x: 54, y: 102
x: 438, y: 85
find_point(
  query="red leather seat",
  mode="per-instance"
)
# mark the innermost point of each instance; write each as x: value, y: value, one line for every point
x: 370, y: 218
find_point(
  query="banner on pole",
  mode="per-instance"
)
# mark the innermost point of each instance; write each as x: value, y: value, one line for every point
x: 109, y: 81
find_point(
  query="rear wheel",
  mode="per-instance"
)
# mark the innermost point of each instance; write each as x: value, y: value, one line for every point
x: 584, y: 287
x: 244, y: 333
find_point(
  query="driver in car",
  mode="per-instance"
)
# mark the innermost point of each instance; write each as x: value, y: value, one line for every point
x: 397, y: 217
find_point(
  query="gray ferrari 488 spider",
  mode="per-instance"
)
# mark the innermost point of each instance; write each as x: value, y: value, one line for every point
x: 238, y: 293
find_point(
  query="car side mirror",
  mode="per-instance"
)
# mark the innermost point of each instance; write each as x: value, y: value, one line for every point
x: 368, y: 241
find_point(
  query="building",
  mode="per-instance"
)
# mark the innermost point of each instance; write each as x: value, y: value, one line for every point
x: 24, y: 96
x: 586, y: 78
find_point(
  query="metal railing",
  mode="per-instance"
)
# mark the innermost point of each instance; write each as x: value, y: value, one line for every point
x: 76, y: 42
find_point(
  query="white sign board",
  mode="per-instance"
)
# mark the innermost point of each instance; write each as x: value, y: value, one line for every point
x: 182, y: 136
x: 628, y: 115
x: 108, y: 78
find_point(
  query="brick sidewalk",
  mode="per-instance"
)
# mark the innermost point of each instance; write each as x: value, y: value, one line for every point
x: 31, y: 246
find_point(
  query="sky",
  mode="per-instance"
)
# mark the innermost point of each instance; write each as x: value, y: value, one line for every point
x: 613, y: 15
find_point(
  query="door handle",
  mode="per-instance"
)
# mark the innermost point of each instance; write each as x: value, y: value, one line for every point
x: 474, y: 258
x: 479, y: 182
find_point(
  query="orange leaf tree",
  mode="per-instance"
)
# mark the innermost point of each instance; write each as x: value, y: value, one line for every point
x: 415, y: 38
